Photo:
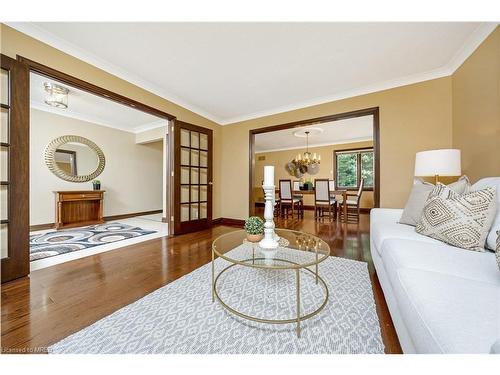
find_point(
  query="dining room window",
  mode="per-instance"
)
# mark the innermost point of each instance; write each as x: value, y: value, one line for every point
x: 353, y: 165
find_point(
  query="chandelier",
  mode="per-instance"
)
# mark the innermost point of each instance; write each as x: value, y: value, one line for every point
x: 304, y: 163
x: 57, y: 96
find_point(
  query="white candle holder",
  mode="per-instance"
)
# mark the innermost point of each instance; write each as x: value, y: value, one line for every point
x: 269, y: 241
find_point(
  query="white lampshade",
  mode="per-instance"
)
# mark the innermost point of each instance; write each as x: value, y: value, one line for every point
x: 444, y: 162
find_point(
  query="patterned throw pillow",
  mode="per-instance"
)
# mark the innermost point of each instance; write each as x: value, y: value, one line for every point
x: 459, y: 220
x: 498, y: 249
x: 418, y: 197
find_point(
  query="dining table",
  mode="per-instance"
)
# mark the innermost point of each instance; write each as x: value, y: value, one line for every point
x: 332, y: 193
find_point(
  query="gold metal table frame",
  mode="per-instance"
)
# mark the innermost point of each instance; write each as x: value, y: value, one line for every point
x: 286, y: 265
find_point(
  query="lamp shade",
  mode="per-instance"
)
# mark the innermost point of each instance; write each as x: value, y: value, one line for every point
x: 444, y: 162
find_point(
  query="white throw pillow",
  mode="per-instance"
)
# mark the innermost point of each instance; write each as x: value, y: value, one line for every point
x: 497, y: 251
x: 419, y: 194
x: 495, y: 227
x: 459, y: 220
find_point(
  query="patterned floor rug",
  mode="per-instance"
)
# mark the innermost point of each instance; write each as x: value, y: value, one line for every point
x: 69, y: 240
x: 181, y: 318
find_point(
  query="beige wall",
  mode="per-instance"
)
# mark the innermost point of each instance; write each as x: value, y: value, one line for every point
x: 327, y: 169
x: 412, y: 118
x: 476, y: 110
x: 132, y: 178
x: 15, y: 43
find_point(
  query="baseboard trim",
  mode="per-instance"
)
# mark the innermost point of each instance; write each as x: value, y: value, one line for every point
x: 36, y: 227
x: 229, y: 222
x: 133, y: 214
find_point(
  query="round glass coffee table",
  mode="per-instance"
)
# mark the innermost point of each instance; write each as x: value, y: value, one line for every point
x: 298, y: 251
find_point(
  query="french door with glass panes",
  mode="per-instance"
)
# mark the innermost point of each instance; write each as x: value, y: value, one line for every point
x: 192, y: 177
x: 14, y: 168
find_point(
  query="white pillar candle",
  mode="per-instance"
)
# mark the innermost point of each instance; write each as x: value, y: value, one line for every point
x: 269, y: 176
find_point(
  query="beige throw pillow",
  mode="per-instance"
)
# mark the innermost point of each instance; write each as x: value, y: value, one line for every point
x: 459, y: 220
x: 418, y: 197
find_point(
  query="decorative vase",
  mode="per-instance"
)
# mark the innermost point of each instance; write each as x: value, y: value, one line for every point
x: 97, y: 186
x: 254, y: 237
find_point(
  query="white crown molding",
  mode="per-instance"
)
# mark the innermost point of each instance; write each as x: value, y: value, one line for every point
x: 82, y: 54
x: 469, y: 46
x: 340, y: 142
x: 150, y: 126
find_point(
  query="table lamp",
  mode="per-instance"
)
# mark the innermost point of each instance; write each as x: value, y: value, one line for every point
x: 445, y: 162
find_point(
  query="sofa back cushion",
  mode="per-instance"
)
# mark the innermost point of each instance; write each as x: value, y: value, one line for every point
x: 418, y: 197
x: 459, y: 220
x: 481, y: 184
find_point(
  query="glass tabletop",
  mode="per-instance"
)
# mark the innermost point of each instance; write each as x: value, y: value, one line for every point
x: 296, y: 250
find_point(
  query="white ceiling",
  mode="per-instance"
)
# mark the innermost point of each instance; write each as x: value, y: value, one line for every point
x: 336, y: 132
x: 229, y: 72
x: 92, y: 108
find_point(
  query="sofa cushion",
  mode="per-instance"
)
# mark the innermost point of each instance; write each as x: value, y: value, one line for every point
x: 440, y: 258
x: 461, y: 220
x: 418, y: 197
x: 481, y: 184
x: 447, y: 314
x: 383, y: 232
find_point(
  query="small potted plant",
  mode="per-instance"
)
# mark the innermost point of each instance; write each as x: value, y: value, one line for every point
x: 96, y: 184
x: 254, y: 226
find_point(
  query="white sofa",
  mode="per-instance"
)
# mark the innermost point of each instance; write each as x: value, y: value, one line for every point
x: 442, y: 299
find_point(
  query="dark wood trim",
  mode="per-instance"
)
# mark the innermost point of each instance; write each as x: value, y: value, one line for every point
x: 197, y: 224
x: 217, y: 221
x: 374, y: 111
x: 16, y: 264
x: 34, y: 228
x: 89, y: 87
x: 232, y: 222
x: 106, y: 218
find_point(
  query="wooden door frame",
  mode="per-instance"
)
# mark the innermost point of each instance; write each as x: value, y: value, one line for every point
x: 52, y: 73
x: 177, y: 176
x: 374, y: 111
x: 16, y: 264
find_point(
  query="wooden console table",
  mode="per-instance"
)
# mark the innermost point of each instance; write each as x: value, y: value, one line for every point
x: 79, y: 208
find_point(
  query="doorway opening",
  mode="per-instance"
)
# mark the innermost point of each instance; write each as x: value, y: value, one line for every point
x: 99, y: 169
x: 344, y: 148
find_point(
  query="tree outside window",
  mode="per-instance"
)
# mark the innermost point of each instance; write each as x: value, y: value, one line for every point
x: 352, y: 166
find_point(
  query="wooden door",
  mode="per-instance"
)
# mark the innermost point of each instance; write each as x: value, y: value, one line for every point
x: 14, y: 235
x: 192, y: 177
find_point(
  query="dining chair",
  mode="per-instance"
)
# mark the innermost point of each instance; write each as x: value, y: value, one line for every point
x: 331, y: 187
x: 322, y: 199
x: 296, y: 187
x: 288, y: 200
x: 353, y: 205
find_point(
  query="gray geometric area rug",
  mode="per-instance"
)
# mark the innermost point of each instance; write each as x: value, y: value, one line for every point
x: 181, y: 317
x: 69, y: 240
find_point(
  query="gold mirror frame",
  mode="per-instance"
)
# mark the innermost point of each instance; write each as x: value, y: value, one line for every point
x: 50, y: 151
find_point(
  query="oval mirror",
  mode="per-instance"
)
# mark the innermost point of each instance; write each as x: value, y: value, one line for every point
x: 74, y: 158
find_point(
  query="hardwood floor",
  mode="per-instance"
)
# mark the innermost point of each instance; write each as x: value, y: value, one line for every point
x: 57, y: 301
